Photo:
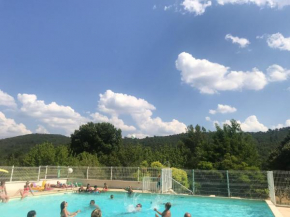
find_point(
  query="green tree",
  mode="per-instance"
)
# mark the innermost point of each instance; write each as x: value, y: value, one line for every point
x: 96, y: 138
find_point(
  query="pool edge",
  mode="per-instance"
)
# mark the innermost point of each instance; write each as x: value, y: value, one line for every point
x: 274, y: 209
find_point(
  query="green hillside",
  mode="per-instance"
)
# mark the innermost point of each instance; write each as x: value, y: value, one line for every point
x: 20, y: 145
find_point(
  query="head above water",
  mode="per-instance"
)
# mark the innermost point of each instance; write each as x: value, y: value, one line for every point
x: 31, y: 213
x: 92, y: 202
x: 112, y: 196
x: 139, y: 205
x: 96, y: 213
x: 187, y: 214
x: 168, y: 205
x: 63, y: 205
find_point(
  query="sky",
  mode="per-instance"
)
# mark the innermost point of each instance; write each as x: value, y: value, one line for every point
x: 149, y: 67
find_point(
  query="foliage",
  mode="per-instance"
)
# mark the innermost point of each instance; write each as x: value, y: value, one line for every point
x: 180, y: 176
x: 157, y: 164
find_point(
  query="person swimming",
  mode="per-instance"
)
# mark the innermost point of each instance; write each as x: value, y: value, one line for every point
x: 166, y: 212
x: 93, y: 204
x: 112, y: 196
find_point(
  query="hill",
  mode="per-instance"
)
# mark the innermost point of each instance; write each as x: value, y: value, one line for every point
x: 20, y: 145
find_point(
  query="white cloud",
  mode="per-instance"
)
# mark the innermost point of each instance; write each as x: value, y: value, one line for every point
x: 118, y: 123
x: 278, y: 41
x: 196, y: 6
x: 223, y: 109
x: 9, y: 128
x: 41, y: 129
x: 167, y: 7
x: 7, y: 100
x: 211, y: 77
x: 242, y: 42
x: 56, y: 116
x: 207, y: 119
x: 277, y: 73
x: 251, y: 124
x: 287, y: 124
x: 261, y: 3
x: 140, y: 111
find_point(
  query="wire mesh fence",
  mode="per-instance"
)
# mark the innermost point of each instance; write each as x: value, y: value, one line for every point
x: 282, y: 187
x: 243, y: 184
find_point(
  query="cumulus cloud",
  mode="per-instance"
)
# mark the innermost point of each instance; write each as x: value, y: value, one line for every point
x: 207, y: 119
x: 41, y: 129
x: 278, y: 41
x: 261, y: 3
x: 119, y: 123
x: 242, y: 42
x: 277, y: 73
x: 287, y: 124
x: 223, y: 109
x: 9, y: 128
x: 196, y: 6
x: 210, y: 77
x: 7, y: 100
x: 251, y: 124
x: 140, y: 111
x: 54, y: 115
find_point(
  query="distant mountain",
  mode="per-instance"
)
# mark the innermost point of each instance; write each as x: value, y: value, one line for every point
x: 20, y: 145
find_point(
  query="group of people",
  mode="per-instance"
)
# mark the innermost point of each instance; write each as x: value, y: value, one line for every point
x: 94, y: 189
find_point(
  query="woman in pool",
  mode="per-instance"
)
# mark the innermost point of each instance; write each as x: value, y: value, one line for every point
x: 64, y: 212
x: 3, y: 193
x: 25, y: 191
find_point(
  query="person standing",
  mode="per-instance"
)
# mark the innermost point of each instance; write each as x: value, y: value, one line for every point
x: 166, y: 212
x: 3, y: 192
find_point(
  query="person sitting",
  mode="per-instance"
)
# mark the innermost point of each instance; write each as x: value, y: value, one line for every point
x: 89, y: 188
x: 96, y: 190
x: 81, y: 189
x: 166, y: 212
x: 187, y: 214
x: 59, y: 185
x: 25, y: 191
x: 105, y: 188
x: 31, y: 213
x: 96, y: 213
x: 3, y: 192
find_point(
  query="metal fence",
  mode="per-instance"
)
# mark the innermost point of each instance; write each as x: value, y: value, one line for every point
x: 61, y: 172
x: 244, y: 184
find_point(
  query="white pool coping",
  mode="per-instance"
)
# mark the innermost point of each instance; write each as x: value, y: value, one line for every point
x: 274, y: 209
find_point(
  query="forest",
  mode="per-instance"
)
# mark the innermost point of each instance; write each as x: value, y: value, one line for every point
x: 101, y: 144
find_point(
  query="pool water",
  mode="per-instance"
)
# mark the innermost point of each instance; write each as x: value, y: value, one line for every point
x: 123, y: 205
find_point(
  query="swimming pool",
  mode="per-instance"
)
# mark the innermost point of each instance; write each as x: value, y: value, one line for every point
x: 122, y: 205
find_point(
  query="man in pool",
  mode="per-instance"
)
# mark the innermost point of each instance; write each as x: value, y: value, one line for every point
x: 94, y: 205
x: 112, y: 196
x: 166, y: 212
x: 187, y: 214
x: 31, y: 213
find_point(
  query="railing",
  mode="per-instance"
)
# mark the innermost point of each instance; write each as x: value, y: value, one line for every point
x: 150, y: 184
x: 178, y: 188
x: 243, y: 184
x: 61, y: 172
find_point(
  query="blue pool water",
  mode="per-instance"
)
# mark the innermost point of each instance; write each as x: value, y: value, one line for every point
x: 122, y: 206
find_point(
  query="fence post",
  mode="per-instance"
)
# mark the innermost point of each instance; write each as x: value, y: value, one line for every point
x: 38, y: 173
x: 111, y: 173
x: 88, y: 172
x: 193, y: 182
x: 138, y: 174
x: 45, y: 172
x: 228, y: 184
x: 271, y: 186
x: 12, y: 170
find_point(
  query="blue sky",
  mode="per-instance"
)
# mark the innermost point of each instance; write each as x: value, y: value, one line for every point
x: 149, y: 67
